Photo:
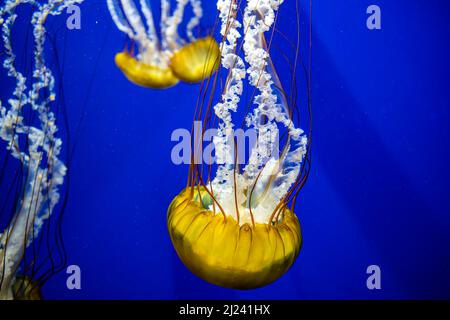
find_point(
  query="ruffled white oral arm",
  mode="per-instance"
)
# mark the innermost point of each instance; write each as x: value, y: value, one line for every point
x: 147, y: 12
x: 280, y: 173
x: 171, y: 29
x: 43, y: 179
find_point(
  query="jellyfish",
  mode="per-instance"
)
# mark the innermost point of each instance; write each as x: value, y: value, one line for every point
x: 236, y: 228
x: 28, y: 127
x: 166, y: 58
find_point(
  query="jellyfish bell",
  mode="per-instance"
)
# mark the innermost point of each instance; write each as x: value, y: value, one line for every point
x: 224, y: 252
x: 163, y: 59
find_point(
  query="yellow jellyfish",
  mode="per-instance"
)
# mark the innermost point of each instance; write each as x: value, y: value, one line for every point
x: 162, y: 61
x: 238, y: 230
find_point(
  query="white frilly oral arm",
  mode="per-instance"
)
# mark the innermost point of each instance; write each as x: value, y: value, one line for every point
x: 223, y: 182
x: 259, y: 17
x: 165, y: 9
x: 171, y: 31
x: 119, y: 19
x: 42, y: 181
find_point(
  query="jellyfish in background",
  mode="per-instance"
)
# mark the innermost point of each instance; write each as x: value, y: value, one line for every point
x: 161, y: 63
x: 32, y: 140
x: 238, y: 228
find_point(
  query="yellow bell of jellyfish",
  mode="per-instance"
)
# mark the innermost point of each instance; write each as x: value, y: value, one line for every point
x: 196, y: 61
x: 235, y: 230
x: 219, y: 250
x: 145, y: 75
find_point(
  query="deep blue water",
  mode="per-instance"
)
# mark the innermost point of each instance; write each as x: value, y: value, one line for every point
x: 378, y: 192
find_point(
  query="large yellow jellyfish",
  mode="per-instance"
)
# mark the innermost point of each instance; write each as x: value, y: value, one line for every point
x: 238, y: 229
x: 162, y: 61
x: 43, y: 171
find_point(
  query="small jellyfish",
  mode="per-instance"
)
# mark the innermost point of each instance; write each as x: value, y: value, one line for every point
x: 162, y: 61
x: 237, y: 228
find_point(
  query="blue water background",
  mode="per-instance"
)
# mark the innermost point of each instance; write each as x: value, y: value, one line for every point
x: 378, y: 192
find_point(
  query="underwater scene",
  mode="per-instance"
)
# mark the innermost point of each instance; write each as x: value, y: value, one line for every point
x: 224, y: 149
